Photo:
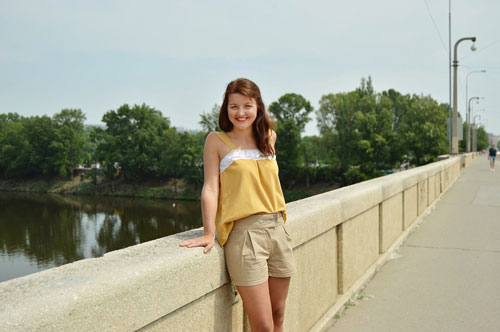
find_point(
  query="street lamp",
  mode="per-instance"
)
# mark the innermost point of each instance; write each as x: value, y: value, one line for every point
x: 454, y: 122
x: 472, y: 110
x: 474, y: 136
x: 468, y: 121
x: 467, y: 117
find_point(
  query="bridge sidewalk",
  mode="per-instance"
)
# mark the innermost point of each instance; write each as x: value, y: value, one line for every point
x: 447, y: 274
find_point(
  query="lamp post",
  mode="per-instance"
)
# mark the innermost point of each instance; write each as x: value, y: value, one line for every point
x: 468, y: 122
x: 473, y: 111
x: 474, y: 136
x: 454, y: 122
x: 467, y: 117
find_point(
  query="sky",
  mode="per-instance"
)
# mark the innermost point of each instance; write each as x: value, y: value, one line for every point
x: 179, y: 56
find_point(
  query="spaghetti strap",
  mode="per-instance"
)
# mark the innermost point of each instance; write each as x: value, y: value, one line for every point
x: 223, y: 136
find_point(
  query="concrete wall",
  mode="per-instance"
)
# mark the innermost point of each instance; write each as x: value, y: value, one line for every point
x: 339, y: 238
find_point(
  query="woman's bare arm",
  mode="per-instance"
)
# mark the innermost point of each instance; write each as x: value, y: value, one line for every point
x: 273, y: 138
x: 209, y: 195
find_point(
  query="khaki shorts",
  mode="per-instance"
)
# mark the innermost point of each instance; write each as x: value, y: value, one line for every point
x: 258, y: 247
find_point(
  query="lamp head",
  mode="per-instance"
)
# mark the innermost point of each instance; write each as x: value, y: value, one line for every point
x: 473, y: 48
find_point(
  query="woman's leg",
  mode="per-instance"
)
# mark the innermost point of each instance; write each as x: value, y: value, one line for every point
x: 278, y: 291
x: 257, y: 303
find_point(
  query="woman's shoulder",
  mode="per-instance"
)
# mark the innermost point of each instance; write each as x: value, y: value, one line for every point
x: 273, y: 136
x: 215, y: 136
x: 216, y: 142
x: 213, y: 140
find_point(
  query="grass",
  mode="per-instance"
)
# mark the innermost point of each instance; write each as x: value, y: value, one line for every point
x: 351, y: 303
x: 294, y: 195
x: 40, y: 186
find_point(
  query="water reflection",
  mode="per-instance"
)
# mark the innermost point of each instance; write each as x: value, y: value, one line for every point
x: 39, y: 231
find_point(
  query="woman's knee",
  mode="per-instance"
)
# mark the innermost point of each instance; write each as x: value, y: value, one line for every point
x: 278, y: 316
x: 262, y: 326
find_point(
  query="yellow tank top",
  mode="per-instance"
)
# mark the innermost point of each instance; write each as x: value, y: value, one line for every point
x: 249, y: 184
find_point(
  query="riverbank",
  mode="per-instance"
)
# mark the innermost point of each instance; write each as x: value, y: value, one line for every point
x: 152, y: 188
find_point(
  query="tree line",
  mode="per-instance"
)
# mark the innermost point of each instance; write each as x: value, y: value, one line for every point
x: 363, y: 134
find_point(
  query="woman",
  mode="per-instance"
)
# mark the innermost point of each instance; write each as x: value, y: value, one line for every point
x: 242, y: 196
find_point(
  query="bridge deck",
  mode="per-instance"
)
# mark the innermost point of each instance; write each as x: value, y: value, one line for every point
x: 447, y: 277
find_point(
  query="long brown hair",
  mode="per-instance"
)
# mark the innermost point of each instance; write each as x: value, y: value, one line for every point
x: 262, y: 124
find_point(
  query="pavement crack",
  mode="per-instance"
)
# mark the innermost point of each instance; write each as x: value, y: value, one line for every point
x: 452, y: 248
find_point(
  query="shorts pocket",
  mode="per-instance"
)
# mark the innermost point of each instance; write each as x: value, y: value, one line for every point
x: 248, y: 249
x: 255, y: 245
x: 288, y: 237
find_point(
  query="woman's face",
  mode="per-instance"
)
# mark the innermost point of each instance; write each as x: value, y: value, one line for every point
x: 242, y: 111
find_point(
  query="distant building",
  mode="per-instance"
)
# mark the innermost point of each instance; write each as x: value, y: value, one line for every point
x: 493, y: 139
x: 183, y: 129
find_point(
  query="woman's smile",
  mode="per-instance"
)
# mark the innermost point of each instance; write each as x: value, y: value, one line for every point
x: 242, y: 111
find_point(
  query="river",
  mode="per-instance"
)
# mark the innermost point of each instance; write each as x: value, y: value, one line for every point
x: 42, y: 231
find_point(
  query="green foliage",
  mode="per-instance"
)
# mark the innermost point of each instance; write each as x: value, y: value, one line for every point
x: 210, y: 121
x: 70, y: 140
x: 337, y: 123
x: 373, y: 121
x: 354, y: 175
x: 181, y: 156
x: 14, y: 150
x: 287, y: 151
x: 128, y: 141
x: 314, y: 150
x: 294, y: 195
x: 482, y: 139
x: 31, y: 146
x: 294, y: 108
x: 292, y: 114
x: 378, y: 131
x: 423, y: 129
x: 362, y: 134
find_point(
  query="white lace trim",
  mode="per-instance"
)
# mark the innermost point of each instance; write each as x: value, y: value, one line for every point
x: 237, y: 154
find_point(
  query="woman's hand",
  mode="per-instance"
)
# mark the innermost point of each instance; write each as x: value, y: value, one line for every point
x: 206, y: 241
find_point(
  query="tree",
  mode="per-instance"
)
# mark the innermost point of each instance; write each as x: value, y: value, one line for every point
x: 373, y: 120
x: 70, y: 140
x: 400, y: 106
x: 294, y: 107
x: 9, y: 117
x: 15, y: 150
x: 337, y: 123
x: 210, y: 121
x: 128, y: 140
x: 40, y: 132
x: 423, y: 129
x: 314, y: 150
x: 482, y: 139
x: 181, y: 156
x: 292, y: 113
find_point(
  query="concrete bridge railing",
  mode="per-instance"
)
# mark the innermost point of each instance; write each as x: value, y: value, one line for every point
x: 339, y: 239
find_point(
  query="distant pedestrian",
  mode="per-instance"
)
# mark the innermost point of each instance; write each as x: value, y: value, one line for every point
x: 491, y: 157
